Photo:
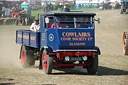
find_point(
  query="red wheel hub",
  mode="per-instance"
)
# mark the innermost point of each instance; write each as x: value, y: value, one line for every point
x: 44, y: 61
x: 23, y: 57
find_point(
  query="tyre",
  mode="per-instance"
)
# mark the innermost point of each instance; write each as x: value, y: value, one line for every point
x: 94, y: 66
x: 47, y: 62
x: 125, y: 43
x: 16, y: 22
x: 27, y: 57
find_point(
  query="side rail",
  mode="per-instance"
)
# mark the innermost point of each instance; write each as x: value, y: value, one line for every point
x: 28, y: 38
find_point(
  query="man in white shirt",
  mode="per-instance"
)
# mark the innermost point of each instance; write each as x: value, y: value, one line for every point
x: 35, y: 27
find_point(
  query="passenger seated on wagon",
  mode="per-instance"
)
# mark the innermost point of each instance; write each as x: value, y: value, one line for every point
x: 35, y: 27
x: 83, y: 24
x: 59, y: 24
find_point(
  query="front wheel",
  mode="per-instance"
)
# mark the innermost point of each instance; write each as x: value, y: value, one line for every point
x: 47, y: 62
x: 94, y: 66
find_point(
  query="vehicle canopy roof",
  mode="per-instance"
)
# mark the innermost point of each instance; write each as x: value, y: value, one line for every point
x: 67, y: 14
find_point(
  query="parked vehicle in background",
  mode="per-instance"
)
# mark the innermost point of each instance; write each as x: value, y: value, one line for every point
x: 35, y: 7
x: 117, y: 5
x: 105, y: 6
x: 25, y: 17
x: 0, y: 9
x: 47, y: 6
x: 124, y: 6
x: 101, y: 6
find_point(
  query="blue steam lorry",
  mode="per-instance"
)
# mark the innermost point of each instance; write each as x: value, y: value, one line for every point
x: 65, y: 39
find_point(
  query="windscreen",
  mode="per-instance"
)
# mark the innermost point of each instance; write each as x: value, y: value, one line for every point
x: 74, y: 22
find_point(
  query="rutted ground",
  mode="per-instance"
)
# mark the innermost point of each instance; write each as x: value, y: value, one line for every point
x: 113, y: 65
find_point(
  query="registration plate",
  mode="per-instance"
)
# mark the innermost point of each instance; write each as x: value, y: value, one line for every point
x: 76, y: 59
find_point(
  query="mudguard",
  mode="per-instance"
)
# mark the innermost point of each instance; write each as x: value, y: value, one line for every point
x: 98, y: 50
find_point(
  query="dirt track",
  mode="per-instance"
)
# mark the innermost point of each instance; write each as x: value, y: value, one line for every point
x: 113, y: 65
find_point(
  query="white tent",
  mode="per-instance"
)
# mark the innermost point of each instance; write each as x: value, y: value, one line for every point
x: 25, y: 3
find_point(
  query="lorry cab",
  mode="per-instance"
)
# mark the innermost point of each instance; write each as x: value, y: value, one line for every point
x: 67, y: 31
x: 65, y: 39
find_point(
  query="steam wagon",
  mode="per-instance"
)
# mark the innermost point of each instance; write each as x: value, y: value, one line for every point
x: 65, y: 39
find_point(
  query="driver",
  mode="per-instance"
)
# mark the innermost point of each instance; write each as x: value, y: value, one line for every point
x: 84, y: 24
x: 59, y: 25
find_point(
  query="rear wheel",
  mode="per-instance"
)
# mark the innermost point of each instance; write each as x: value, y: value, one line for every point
x: 27, y: 57
x: 94, y: 66
x: 47, y: 62
x: 125, y: 43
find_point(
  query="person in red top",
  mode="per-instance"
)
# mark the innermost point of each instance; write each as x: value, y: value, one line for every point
x: 59, y: 25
